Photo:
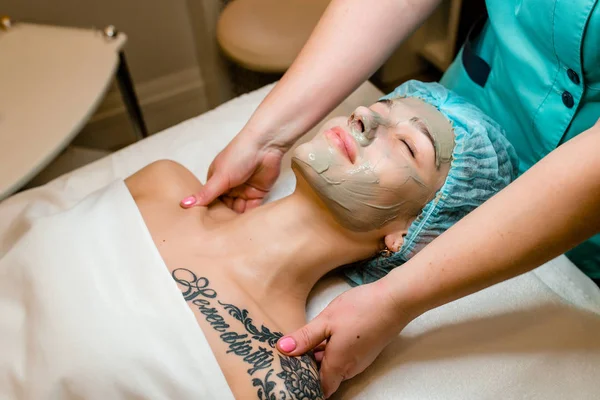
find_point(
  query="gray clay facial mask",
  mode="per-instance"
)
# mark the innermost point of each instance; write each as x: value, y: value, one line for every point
x: 438, y: 126
x: 364, y: 173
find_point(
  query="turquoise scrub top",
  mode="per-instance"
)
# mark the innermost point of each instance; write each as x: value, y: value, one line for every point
x: 535, y: 68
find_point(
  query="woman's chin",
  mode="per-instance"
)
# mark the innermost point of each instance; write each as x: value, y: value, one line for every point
x: 301, y: 169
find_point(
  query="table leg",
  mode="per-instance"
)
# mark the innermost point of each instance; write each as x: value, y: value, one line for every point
x: 130, y: 98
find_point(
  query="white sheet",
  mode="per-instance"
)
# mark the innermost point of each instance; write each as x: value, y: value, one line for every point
x: 89, y: 311
x: 536, y: 336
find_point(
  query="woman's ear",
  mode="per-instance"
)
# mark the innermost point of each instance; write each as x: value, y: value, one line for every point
x: 395, y: 240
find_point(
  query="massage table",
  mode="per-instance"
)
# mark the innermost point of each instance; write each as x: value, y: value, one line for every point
x: 536, y: 336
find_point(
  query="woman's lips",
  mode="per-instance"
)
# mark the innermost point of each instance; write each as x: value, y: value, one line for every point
x: 343, y: 141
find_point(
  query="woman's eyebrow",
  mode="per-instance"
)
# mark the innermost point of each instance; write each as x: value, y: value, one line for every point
x: 422, y: 127
x: 389, y: 103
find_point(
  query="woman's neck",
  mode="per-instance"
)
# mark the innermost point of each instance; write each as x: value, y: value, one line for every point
x: 280, y: 250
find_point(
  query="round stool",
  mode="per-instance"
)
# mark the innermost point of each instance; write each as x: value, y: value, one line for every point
x: 267, y: 35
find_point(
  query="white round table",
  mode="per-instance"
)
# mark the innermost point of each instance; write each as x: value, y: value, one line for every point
x: 51, y: 81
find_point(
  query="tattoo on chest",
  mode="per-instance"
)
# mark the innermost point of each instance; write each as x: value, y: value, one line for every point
x: 298, y: 379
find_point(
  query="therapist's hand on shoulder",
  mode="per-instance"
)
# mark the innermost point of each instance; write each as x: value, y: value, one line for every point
x: 357, y: 325
x: 242, y: 174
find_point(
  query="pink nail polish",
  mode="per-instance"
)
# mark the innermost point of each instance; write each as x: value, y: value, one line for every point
x: 188, y: 201
x: 287, y: 344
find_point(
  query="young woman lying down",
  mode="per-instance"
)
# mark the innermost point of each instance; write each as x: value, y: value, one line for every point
x: 127, y: 295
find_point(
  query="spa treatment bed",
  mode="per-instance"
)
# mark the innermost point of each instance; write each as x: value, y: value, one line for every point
x: 536, y: 336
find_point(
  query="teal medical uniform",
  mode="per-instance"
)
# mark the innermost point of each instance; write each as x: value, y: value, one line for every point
x: 534, y: 66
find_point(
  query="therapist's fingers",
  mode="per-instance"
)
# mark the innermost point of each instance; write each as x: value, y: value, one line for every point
x: 321, y: 346
x: 331, y: 374
x: 319, y: 356
x: 216, y: 185
x: 247, y: 192
x: 306, y: 338
x: 239, y: 205
x: 250, y: 204
x: 228, y: 201
x: 244, y: 200
x: 319, y: 351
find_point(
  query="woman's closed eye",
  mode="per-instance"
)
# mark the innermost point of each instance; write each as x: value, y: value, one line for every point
x: 409, y: 146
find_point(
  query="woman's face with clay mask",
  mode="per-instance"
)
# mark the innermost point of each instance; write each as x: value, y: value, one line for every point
x: 384, y: 162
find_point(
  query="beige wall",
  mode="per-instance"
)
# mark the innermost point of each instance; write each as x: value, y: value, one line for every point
x: 203, y: 16
x: 161, y: 53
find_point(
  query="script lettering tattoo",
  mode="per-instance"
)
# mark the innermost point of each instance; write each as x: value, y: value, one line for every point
x: 298, y: 379
x: 263, y: 335
x: 193, y: 285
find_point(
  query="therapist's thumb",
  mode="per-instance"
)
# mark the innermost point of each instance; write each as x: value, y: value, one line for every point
x: 214, y: 187
x: 304, y: 339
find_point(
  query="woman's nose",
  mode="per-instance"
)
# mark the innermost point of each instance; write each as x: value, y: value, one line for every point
x: 364, y: 121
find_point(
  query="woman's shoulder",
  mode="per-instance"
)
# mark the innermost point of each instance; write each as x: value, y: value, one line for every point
x: 168, y: 182
x: 164, y: 179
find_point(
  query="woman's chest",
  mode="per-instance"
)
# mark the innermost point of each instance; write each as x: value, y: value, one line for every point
x: 241, y: 330
x: 243, y: 338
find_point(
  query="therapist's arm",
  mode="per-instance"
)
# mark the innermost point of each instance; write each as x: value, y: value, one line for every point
x: 352, y: 39
x: 547, y: 211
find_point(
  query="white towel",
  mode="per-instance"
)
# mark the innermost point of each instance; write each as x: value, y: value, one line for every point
x: 89, y: 311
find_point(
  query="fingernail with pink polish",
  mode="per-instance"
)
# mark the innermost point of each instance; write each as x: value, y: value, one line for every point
x: 188, y: 201
x: 287, y: 344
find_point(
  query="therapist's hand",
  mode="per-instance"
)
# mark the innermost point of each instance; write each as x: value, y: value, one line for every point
x: 357, y: 325
x: 242, y: 173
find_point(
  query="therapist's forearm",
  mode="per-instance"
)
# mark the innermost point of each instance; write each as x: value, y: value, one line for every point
x: 352, y: 40
x: 547, y: 211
